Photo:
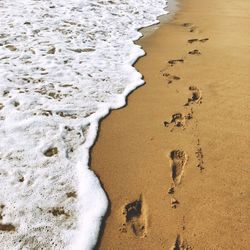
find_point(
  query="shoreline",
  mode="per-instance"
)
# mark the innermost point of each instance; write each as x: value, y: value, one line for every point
x: 167, y: 159
x: 172, y: 8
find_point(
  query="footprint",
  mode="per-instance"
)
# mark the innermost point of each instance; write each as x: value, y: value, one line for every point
x: 204, y: 40
x: 178, y: 160
x: 180, y: 244
x: 175, y: 61
x: 187, y: 25
x: 174, y: 202
x: 198, y: 40
x: 199, y: 156
x: 191, y: 27
x: 194, y: 52
x: 196, y: 96
x: 193, y: 40
x: 135, y: 218
x: 171, y: 78
x: 171, y: 190
x: 178, y: 120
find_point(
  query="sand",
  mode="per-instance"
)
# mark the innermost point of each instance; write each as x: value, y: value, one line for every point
x: 175, y: 161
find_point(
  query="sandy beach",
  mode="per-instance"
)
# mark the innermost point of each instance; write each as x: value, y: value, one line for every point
x: 175, y: 162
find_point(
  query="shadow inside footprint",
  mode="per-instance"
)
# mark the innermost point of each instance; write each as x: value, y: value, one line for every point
x: 135, y: 218
x: 193, y: 40
x: 180, y: 244
x: 196, y: 96
x: 133, y: 209
x: 192, y: 29
x: 187, y: 25
x: 175, y: 61
x: 198, y: 40
x: 204, y: 40
x: 171, y: 78
x: 190, y: 26
x: 178, y: 120
x: 194, y: 52
x: 174, y: 202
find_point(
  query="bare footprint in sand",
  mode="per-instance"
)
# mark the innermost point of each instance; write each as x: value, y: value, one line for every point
x: 194, y: 40
x: 178, y: 121
x: 204, y: 40
x: 178, y: 160
x: 187, y: 25
x: 194, y: 52
x: 135, y: 218
x: 191, y: 27
x: 180, y: 244
x: 171, y: 78
x: 175, y: 61
x: 196, y: 96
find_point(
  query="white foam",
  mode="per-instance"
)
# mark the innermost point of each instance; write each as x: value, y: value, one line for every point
x: 64, y: 65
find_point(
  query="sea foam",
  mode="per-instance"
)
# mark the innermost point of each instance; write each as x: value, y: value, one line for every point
x: 64, y: 65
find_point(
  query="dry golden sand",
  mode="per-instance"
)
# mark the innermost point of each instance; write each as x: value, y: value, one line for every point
x: 187, y: 128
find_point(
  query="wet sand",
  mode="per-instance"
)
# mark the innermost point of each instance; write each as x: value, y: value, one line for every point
x: 175, y: 161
